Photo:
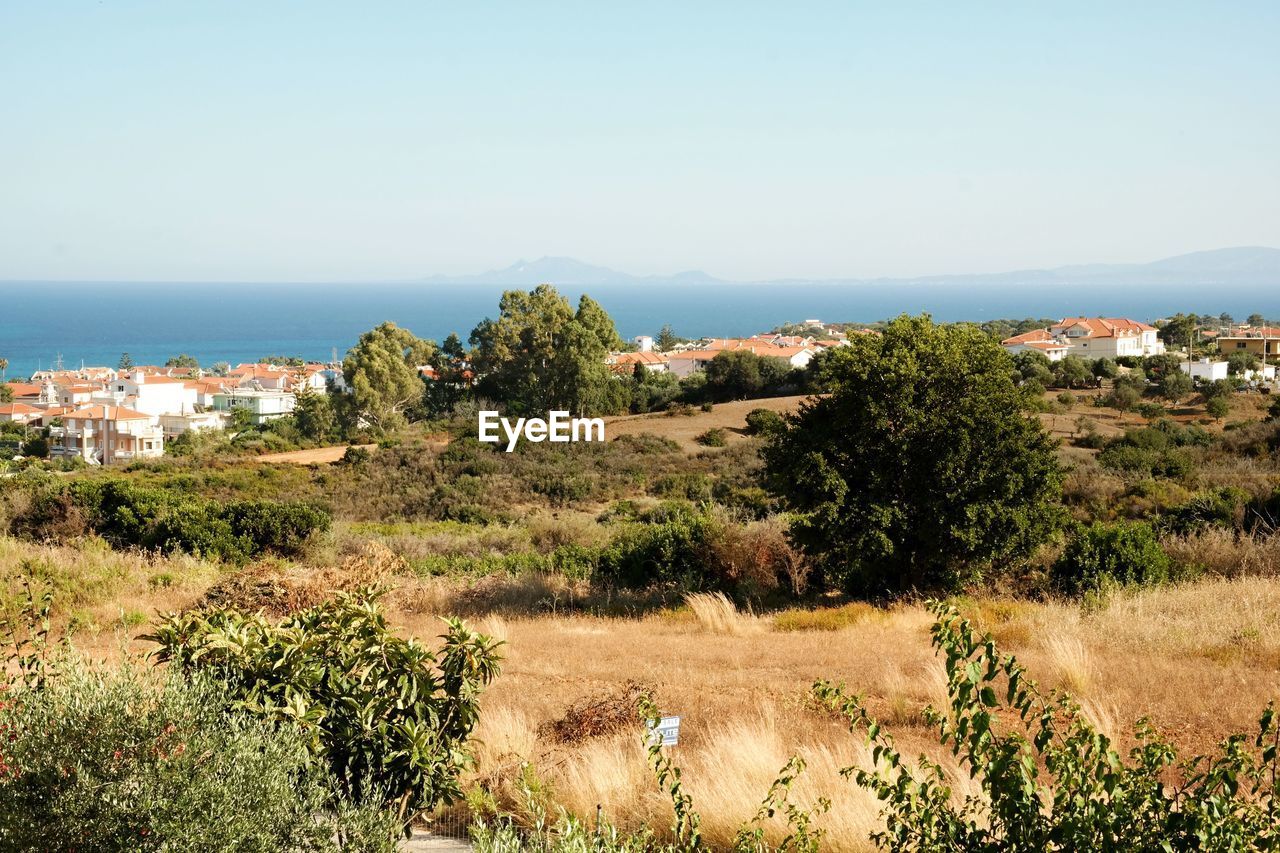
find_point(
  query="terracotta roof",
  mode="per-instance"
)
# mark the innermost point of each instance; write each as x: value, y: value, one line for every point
x: 24, y: 389
x: 1106, y: 327
x: 1244, y: 334
x: 17, y: 409
x: 107, y: 413
x: 638, y: 358
x: 1034, y: 336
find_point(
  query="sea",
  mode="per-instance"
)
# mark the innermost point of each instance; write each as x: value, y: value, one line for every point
x: 43, y: 324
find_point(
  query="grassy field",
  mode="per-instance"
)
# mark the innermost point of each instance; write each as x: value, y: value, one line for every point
x: 1200, y: 660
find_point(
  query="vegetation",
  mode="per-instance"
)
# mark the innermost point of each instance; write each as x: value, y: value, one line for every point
x: 388, y: 717
x: 920, y: 469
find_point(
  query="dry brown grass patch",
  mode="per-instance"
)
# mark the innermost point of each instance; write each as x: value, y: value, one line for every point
x: 827, y: 618
x: 714, y: 612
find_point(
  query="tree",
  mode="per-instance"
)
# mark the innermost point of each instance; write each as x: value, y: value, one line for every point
x: 1242, y: 362
x: 1175, y: 385
x: 183, y: 360
x: 452, y: 376
x: 921, y: 467
x: 541, y: 355
x: 126, y: 363
x: 382, y: 372
x: 1104, y: 368
x: 667, y: 339
x: 6, y: 393
x: 734, y: 375
x: 1159, y: 366
x: 4, y: 369
x: 1226, y: 319
x: 1256, y: 320
x: 313, y: 413
x: 1071, y: 372
x: 1217, y: 407
x: 220, y: 368
x: 1177, y: 331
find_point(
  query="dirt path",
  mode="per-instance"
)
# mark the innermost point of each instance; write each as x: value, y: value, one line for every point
x: 314, y: 456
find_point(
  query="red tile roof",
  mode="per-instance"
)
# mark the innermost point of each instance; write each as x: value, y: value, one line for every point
x: 107, y: 413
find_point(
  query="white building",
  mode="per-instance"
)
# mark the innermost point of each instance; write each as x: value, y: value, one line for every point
x: 263, y: 405
x: 644, y: 343
x: 1041, y: 341
x: 1108, y: 337
x: 105, y: 435
x: 151, y: 395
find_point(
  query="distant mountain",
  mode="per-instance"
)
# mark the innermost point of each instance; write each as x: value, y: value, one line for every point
x: 1242, y: 265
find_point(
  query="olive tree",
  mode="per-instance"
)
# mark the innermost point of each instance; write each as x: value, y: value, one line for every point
x: 921, y: 467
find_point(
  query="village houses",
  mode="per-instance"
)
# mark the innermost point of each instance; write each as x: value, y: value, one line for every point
x: 1089, y: 338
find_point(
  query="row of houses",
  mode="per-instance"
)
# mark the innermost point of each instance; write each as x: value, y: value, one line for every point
x: 107, y: 416
x: 687, y: 359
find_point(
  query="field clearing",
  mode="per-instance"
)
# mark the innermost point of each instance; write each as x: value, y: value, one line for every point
x: 311, y: 456
x: 684, y: 429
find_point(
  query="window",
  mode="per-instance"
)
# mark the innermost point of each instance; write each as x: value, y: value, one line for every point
x: 1240, y: 344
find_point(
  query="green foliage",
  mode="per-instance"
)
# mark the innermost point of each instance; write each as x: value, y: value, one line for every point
x: 1217, y: 408
x: 742, y: 375
x: 382, y: 372
x: 123, y: 760
x: 764, y: 422
x: 1104, y: 368
x: 1222, y: 507
x: 1175, y: 385
x: 388, y: 717
x: 667, y: 339
x: 129, y: 514
x: 714, y: 437
x: 541, y: 355
x: 1047, y: 779
x: 1071, y: 372
x: 1155, y: 451
x: 183, y: 360
x: 1273, y: 411
x: 920, y: 468
x: 672, y: 552
x: 1102, y: 555
x: 313, y: 414
x: 1241, y: 362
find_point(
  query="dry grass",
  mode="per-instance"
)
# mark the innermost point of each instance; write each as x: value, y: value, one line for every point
x: 1227, y: 553
x: 826, y: 618
x: 714, y: 612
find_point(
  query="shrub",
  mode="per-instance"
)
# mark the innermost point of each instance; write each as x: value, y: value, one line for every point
x: 124, y: 760
x: 763, y: 422
x: 1224, y: 507
x: 1102, y: 554
x: 714, y: 437
x: 667, y: 553
x: 386, y: 715
x: 1045, y: 779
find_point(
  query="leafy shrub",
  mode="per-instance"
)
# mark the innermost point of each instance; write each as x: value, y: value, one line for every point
x: 386, y: 715
x: 123, y: 760
x: 763, y: 422
x: 1046, y: 779
x: 670, y: 552
x: 714, y: 437
x: 1224, y: 507
x: 1102, y: 554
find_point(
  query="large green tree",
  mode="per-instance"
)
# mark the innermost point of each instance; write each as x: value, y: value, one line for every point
x: 541, y: 354
x: 920, y: 468
x: 382, y: 372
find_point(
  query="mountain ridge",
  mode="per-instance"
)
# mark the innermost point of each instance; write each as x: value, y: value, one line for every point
x: 1231, y: 265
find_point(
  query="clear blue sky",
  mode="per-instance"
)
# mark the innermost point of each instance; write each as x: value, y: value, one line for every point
x: 328, y: 141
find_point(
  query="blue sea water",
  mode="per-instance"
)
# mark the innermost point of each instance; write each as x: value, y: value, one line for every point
x: 93, y: 323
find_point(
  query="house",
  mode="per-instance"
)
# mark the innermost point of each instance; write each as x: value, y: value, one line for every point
x: 1263, y: 342
x: 263, y: 405
x: 1108, y: 337
x: 24, y: 390
x: 174, y: 425
x: 644, y: 343
x: 19, y: 413
x: 106, y: 435
x: 625, y: 362
x: 152, y: 394
x: 683, y: 364
x: 1041, y: 341
x: 1205, y: 370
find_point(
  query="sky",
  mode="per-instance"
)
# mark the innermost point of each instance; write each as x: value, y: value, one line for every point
x: 319, y: 141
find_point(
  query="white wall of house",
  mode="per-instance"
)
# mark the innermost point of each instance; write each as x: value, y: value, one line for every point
x: 1205, y: 370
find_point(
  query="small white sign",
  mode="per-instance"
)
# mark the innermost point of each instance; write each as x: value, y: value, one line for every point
x: 667, y: 731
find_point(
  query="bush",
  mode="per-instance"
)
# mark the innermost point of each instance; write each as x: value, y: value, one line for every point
x: 1224, y: 507
x: 714, y: 437
x: 123, y: 760
x: 386, y: 715
x: 1100, y: 555
x: 667, y: 553
x: 764, y: 422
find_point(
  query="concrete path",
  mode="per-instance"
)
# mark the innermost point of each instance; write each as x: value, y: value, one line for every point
x: 423, y: 842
